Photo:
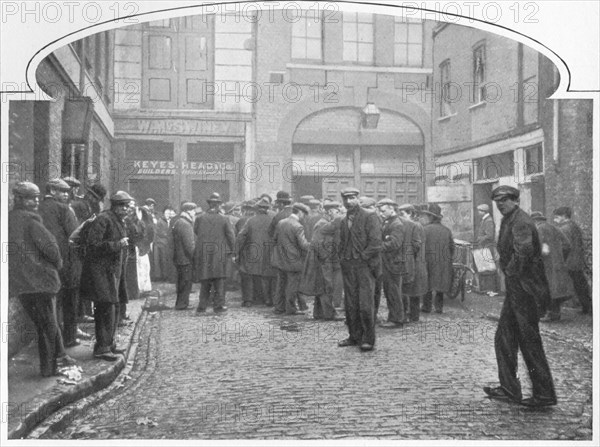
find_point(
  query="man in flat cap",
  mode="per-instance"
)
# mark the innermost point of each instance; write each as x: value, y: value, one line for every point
x: 313, y: 217
x: 359, y: 250
x: 393, y: 234
x: 527, y: 298
x: 322, y: 274
x: 576, y: 258
x: 290, y: 251
x: 183, y: 253
x: 102, y: 276
x: 439, y: 255
x: 248, y: 210
x: 60, y: 220
x: 254, y: 250
x: 215, y: 243
x: 33, y: 263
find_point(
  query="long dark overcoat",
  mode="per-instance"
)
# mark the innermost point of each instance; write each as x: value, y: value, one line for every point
x: 555, y: 265
x: 291, y: 245
x: 255, y: 246
x: 33, y: 255
x: 420, y: 284
x: 183, y: 241
x: 576, y: 258
x: 323, y: 250
x: 520, y: 254
x: 439, y: 253
x: 61, y: 221
x: 215, y: 242
x: 103, y: 263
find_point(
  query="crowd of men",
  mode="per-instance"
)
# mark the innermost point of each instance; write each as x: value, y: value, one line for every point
x: 345, y: 255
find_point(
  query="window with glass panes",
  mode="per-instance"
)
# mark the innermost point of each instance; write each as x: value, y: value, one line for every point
x: 479, y: 73
x: 408, y: 42
x: 307, y: 36
x: 358, y: 37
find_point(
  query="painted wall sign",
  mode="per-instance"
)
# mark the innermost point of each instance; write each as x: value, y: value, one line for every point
x: 179, y: 127
x: 156, y: 167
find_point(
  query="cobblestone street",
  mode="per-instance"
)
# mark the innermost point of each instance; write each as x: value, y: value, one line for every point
x: 240, y: 376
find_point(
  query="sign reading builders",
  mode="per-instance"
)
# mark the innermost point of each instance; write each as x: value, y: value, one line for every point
x: 154, y: 167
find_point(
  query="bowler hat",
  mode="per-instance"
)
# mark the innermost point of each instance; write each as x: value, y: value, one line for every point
x: 300, y: 206
x: 283, y: 196
x: 58, y: 183
x: 26, y: 189
x: 483, y: 207
x: 348, y: 192
x: 505, y: 191
x: 433, y: 209
x: 214, y: 197
x: 386, y: 201
x: 72, y: 182
x: 120, y: 197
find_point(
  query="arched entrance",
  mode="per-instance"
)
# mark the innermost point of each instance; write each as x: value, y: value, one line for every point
x: 331, y: 150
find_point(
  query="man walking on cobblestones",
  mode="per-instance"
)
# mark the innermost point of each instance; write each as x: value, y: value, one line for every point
x: 527, y: 298
x: 359, y: 250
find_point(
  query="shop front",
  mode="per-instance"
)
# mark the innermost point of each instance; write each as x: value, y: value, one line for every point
x: 176, y: 160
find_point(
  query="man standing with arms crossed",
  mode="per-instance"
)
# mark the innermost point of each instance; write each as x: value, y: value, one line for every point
x: 360, y: 246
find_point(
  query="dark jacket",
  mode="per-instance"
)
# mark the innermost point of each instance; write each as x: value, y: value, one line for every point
x: 309, y: 224
x: 486, y: 234
x: 291, y: 245
x: 33, y: 255
x: 103, y: 263
x: 520, y: 254
x: 555, y: 265
x: 283, y: 214
x: 576, y: 258
x: 420, y: 283
x: 61, y: 221
x: 393, y: 235
x: 215, y: 242
x: 183, y: 241
x: 255, y: 247
x: 439, y: 254
x: 363, y: 240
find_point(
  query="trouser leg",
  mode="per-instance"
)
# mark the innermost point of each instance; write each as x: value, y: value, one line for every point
x: 291, y: 291
x: 366, y: 303
x: 414, y: 307
x: 439, y: 301
x: 582, y: 289
x: 246, y: 287
x: 69, y: 315
x: 204, y: 295
x: 393, y: 295
x: 219, y: 288
x: 427, y: 302
x: 105, y: 316
x: 351, y: 301
x: 279, y: 301
x: 184, y: 286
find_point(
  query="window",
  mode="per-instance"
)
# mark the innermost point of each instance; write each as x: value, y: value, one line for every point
x: 495, y: 166
x: 479, y: 73
x: 358, y: 37
x: 534, y: 159
x: 307, y: 36
x: 178, y: 63
x: 408, y: 42
x: 446, y: 99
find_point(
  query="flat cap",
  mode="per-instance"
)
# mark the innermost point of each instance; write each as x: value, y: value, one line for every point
x: 347, y: 192
x: 58, y: 183
x: 306, y: 199
x: 150, y: 201
x: 407, y: 207
x: 505, y: 191
x: 301, y: 206
x: 26, y: 189
x: 483, y: 207
x: 314, y: 203
x: 367, y: 202
x: 98, y: 191
x: 266, y: 196
x: 72, y: 182
x: 283, y: 196
x: 433, y: 209
x: 263, y: 203
x: 563, y: 211
x: 248, y: 204
x: 121, y: 197
x: 331, y: 204
x: 228, y: 207
x: 188, y: 206
x: 537, y: 215
x: 215, y: 197
x: 386, y: 201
